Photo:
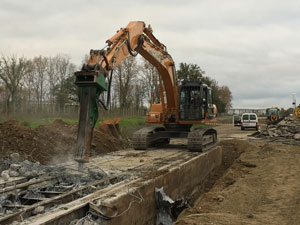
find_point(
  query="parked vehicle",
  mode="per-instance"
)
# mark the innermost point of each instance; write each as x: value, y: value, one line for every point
x: 272, y: 114
x: 297, y: 112
x: 236, y: 120
x: 249, y: 120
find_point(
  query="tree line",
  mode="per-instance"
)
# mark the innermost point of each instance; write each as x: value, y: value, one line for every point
x: 47, y: 83
x: 37, y: 81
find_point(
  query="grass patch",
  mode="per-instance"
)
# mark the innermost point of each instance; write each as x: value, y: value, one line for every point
x: 224, y: 119
x: 35, y: 123
x: 128, y: 125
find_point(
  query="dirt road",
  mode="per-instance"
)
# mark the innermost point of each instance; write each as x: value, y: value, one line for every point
x: 261, y: 187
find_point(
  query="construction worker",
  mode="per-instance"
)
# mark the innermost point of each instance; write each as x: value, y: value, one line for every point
x: 196, y: 99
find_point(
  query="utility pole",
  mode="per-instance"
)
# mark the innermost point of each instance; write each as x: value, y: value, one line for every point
x: 294, y: 100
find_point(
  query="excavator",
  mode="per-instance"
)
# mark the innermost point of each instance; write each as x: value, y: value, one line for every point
x: 272, y: 114
x: 180, y: 107
x: 297, y: 112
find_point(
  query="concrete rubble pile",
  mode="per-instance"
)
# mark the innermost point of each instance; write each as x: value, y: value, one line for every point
x: 14, y: 167
x: 63, y: 179
x: 288, y: 128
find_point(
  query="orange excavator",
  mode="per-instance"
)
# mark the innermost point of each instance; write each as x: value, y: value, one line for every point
x: 181, y: 105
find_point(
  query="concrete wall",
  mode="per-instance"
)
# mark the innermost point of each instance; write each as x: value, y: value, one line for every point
x: 178, y: 182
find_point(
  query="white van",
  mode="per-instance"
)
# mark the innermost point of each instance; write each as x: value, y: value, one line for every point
x: 249, y: 120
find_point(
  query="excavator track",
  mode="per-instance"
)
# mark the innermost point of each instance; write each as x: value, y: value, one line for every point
x: 148, y: 136
x: 201, y: 140
x: 140, y: 138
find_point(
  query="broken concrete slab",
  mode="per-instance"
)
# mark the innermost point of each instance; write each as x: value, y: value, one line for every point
x: 164, y: 204
x: 15, y: 156
x: 288, y: 128
x: 5, y: 175
x: 13, y: 173
x: 168, y: 209
x: 297, y: 136
x: 15, y: 166
x: 38, y: 210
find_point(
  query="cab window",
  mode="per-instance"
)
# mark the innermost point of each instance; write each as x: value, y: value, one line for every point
x: 209, y: 96
x: 182, y: 97
x: 245, y: 117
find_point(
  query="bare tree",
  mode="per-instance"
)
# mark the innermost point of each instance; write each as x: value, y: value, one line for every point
x: 12, y: 71
x: 38, y: 71
x: 65, y: 87
x: 28, y: 82
x: 52, y: 77
x: 3, y: 98
x: 139, y: 92
x: 152, y: 81
x: 125, y: 73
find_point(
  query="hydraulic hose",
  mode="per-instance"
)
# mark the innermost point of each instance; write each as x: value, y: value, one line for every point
x: 108, y: 90
x: 140, y: 42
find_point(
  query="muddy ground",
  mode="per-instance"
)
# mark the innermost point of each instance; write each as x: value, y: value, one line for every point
x: 258, y: 183
x: 52, y: 143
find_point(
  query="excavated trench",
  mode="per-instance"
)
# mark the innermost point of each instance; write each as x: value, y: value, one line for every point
x: 118, y: 188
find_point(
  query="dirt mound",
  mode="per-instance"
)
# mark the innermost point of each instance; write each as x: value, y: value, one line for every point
x: 59, y: 139
x: 51, y: 143
x: 103, y: 143
x: 15, y: 137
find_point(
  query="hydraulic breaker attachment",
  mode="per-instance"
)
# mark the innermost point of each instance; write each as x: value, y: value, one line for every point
x: 90, y: 85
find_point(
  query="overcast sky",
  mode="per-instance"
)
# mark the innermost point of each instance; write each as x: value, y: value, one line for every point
x: 252, y: 46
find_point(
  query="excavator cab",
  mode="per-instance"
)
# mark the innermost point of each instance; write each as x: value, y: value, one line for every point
x: 195, y: 101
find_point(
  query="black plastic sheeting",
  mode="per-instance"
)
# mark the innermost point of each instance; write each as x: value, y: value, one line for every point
x: 168, y: 210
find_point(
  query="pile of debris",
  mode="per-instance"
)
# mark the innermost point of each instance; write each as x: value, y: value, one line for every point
x: 286, y: 129
x: 41, y: 181
x: 14, y: 167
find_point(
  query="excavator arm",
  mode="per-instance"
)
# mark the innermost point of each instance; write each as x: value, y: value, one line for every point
x: 92, y: 78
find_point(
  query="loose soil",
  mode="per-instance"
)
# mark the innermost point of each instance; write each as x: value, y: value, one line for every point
x: 52, y: 143
x: 258, y: 183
